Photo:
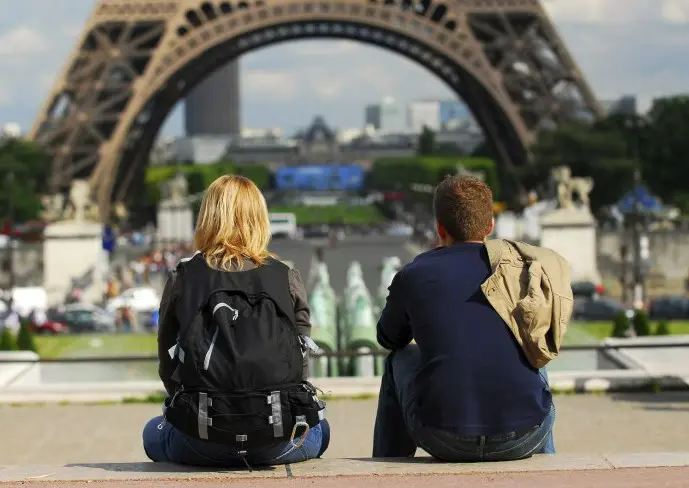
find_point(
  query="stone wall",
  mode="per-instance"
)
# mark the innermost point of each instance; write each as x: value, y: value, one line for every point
x: 28, y: 265
x: 669, y: 252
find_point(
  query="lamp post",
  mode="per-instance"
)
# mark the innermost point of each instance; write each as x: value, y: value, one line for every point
x: 639, y: 223
x: 9, y: 191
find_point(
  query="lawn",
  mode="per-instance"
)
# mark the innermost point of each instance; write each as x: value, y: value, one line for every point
x: 146, y: 344
x: 346, y: 214
x: 603, y: 330
x: 97, y: 345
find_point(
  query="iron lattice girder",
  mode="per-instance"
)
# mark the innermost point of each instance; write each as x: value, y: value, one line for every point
x: 137, y: 58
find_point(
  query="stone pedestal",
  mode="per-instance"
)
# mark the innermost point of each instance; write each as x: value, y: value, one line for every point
x: 571, y: 232
x: 175, y: 223
x: 73, y: 255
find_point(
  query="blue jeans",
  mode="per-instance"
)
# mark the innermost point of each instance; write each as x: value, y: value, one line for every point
x: 164, y: 443
x: 397, y: 433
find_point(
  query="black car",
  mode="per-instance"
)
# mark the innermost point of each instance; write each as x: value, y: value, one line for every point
x: 601, y: 308
x: 586, y: 289
x: 669, y: 308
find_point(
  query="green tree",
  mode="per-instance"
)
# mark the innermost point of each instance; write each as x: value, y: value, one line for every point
x: 25, y: 339
x: 7, y: 340
x: 641, y: 324
x: 663, y: 328
x: 663, y: 148
x: 620, y: 325
x: 426, y: 142
x: 29, y: 165
x: 599, y: 151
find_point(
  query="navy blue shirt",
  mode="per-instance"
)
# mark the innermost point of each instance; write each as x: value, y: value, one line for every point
x: 475, y: 379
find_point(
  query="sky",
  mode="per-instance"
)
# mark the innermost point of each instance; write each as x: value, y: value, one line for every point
x: 638, y: 47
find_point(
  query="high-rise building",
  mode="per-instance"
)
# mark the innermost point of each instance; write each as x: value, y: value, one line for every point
x: 387, y: 117
x: 213, y: 107
x: 453, y: 110
x: 393, y: 119
x: 424, y: 113
x: 372, y: 116
x: 625, y: 105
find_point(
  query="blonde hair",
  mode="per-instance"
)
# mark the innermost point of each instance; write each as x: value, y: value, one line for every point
x: 233, y: 224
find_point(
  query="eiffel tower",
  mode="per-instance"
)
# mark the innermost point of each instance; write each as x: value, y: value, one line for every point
x: 137, y: 58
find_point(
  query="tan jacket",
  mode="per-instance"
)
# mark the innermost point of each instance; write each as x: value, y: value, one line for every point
x: 531, y: 290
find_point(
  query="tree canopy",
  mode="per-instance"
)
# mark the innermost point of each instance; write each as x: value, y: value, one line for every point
x: 28, y: 164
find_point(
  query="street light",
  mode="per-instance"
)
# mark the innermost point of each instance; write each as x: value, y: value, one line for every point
x: 639, y: 223
x: 9, y: 191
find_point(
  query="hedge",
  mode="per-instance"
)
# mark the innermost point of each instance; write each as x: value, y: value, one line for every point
x: 200, y: 176
x: 399, y: 173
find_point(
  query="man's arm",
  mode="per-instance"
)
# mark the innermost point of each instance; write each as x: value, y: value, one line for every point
x: 394, y: 329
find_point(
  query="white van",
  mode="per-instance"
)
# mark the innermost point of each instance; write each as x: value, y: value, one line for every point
x: 283, y: 225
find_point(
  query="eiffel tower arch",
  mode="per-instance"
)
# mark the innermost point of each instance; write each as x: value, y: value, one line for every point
x: 137, y: 58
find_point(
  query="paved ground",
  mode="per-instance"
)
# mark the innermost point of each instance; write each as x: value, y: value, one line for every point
x: 619, y: 478
x: 111, y: 433
x: 370, y: 253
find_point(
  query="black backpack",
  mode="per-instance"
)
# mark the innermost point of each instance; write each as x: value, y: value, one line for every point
x: 239, y: 359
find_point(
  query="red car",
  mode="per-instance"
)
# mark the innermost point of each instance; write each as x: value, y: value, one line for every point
x: 50, y: 327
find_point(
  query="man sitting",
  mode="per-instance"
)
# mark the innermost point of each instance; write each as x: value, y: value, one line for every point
x: 465, y: 391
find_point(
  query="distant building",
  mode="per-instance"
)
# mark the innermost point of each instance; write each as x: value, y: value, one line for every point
x: 453, y: 110
x: 317, y: 144
x: 10, y: 130
x: 626, y: 105
x: 424, y: 113
x: 388, y: 117
x: 213, y: 107
x: 372, y: 116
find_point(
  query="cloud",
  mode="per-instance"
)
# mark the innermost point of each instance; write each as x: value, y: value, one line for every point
x: 5, y: 96
x: 617, y: 11
x: 269, y: 85
x: 622, y: 47
x: 676, y: 11
x: 22, y: 41
x: 316, y: 49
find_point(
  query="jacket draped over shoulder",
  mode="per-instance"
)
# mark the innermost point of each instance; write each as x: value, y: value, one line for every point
x: 530, y: 289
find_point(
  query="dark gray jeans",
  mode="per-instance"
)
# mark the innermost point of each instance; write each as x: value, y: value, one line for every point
x: 398, y: 434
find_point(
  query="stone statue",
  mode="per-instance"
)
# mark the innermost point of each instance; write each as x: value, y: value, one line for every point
x: 78, y: 207
x: 53, y: 207
x: 120, y: 211
x: 391, y: 266
x: 175, y: 190
x: 567, y: 186
x: 462, y: 170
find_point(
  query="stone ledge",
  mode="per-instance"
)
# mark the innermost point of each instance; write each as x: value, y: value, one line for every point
x: 329, y: 468
x: 560, y: 382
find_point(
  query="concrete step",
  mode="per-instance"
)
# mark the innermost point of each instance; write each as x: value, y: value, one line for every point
x: 338, y: 468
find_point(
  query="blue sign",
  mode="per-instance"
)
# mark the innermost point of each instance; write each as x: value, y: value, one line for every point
x: 641, y: 196
x: 342, y: 177
x: 109, y: 239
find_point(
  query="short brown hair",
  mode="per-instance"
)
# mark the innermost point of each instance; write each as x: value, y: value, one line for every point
x: 463, y: 205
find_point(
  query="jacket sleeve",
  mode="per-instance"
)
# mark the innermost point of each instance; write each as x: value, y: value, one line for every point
x: 302, y: 312
x: 168, y: 329
x: 394, y: 330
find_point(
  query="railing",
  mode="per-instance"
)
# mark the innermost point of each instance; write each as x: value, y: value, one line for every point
x: 335, y: 354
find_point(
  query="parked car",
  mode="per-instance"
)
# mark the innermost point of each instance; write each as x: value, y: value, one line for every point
x: 50, y: 327
x: 83, y: 317
x: 139, y: 299
x: 587, y: 289
x: 598, y: 308
x: 669, y: 308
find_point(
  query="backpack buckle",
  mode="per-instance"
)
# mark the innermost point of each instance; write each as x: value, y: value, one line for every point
x: 300, y: 422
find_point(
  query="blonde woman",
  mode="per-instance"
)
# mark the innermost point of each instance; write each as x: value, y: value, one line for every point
x: 233, y: 346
